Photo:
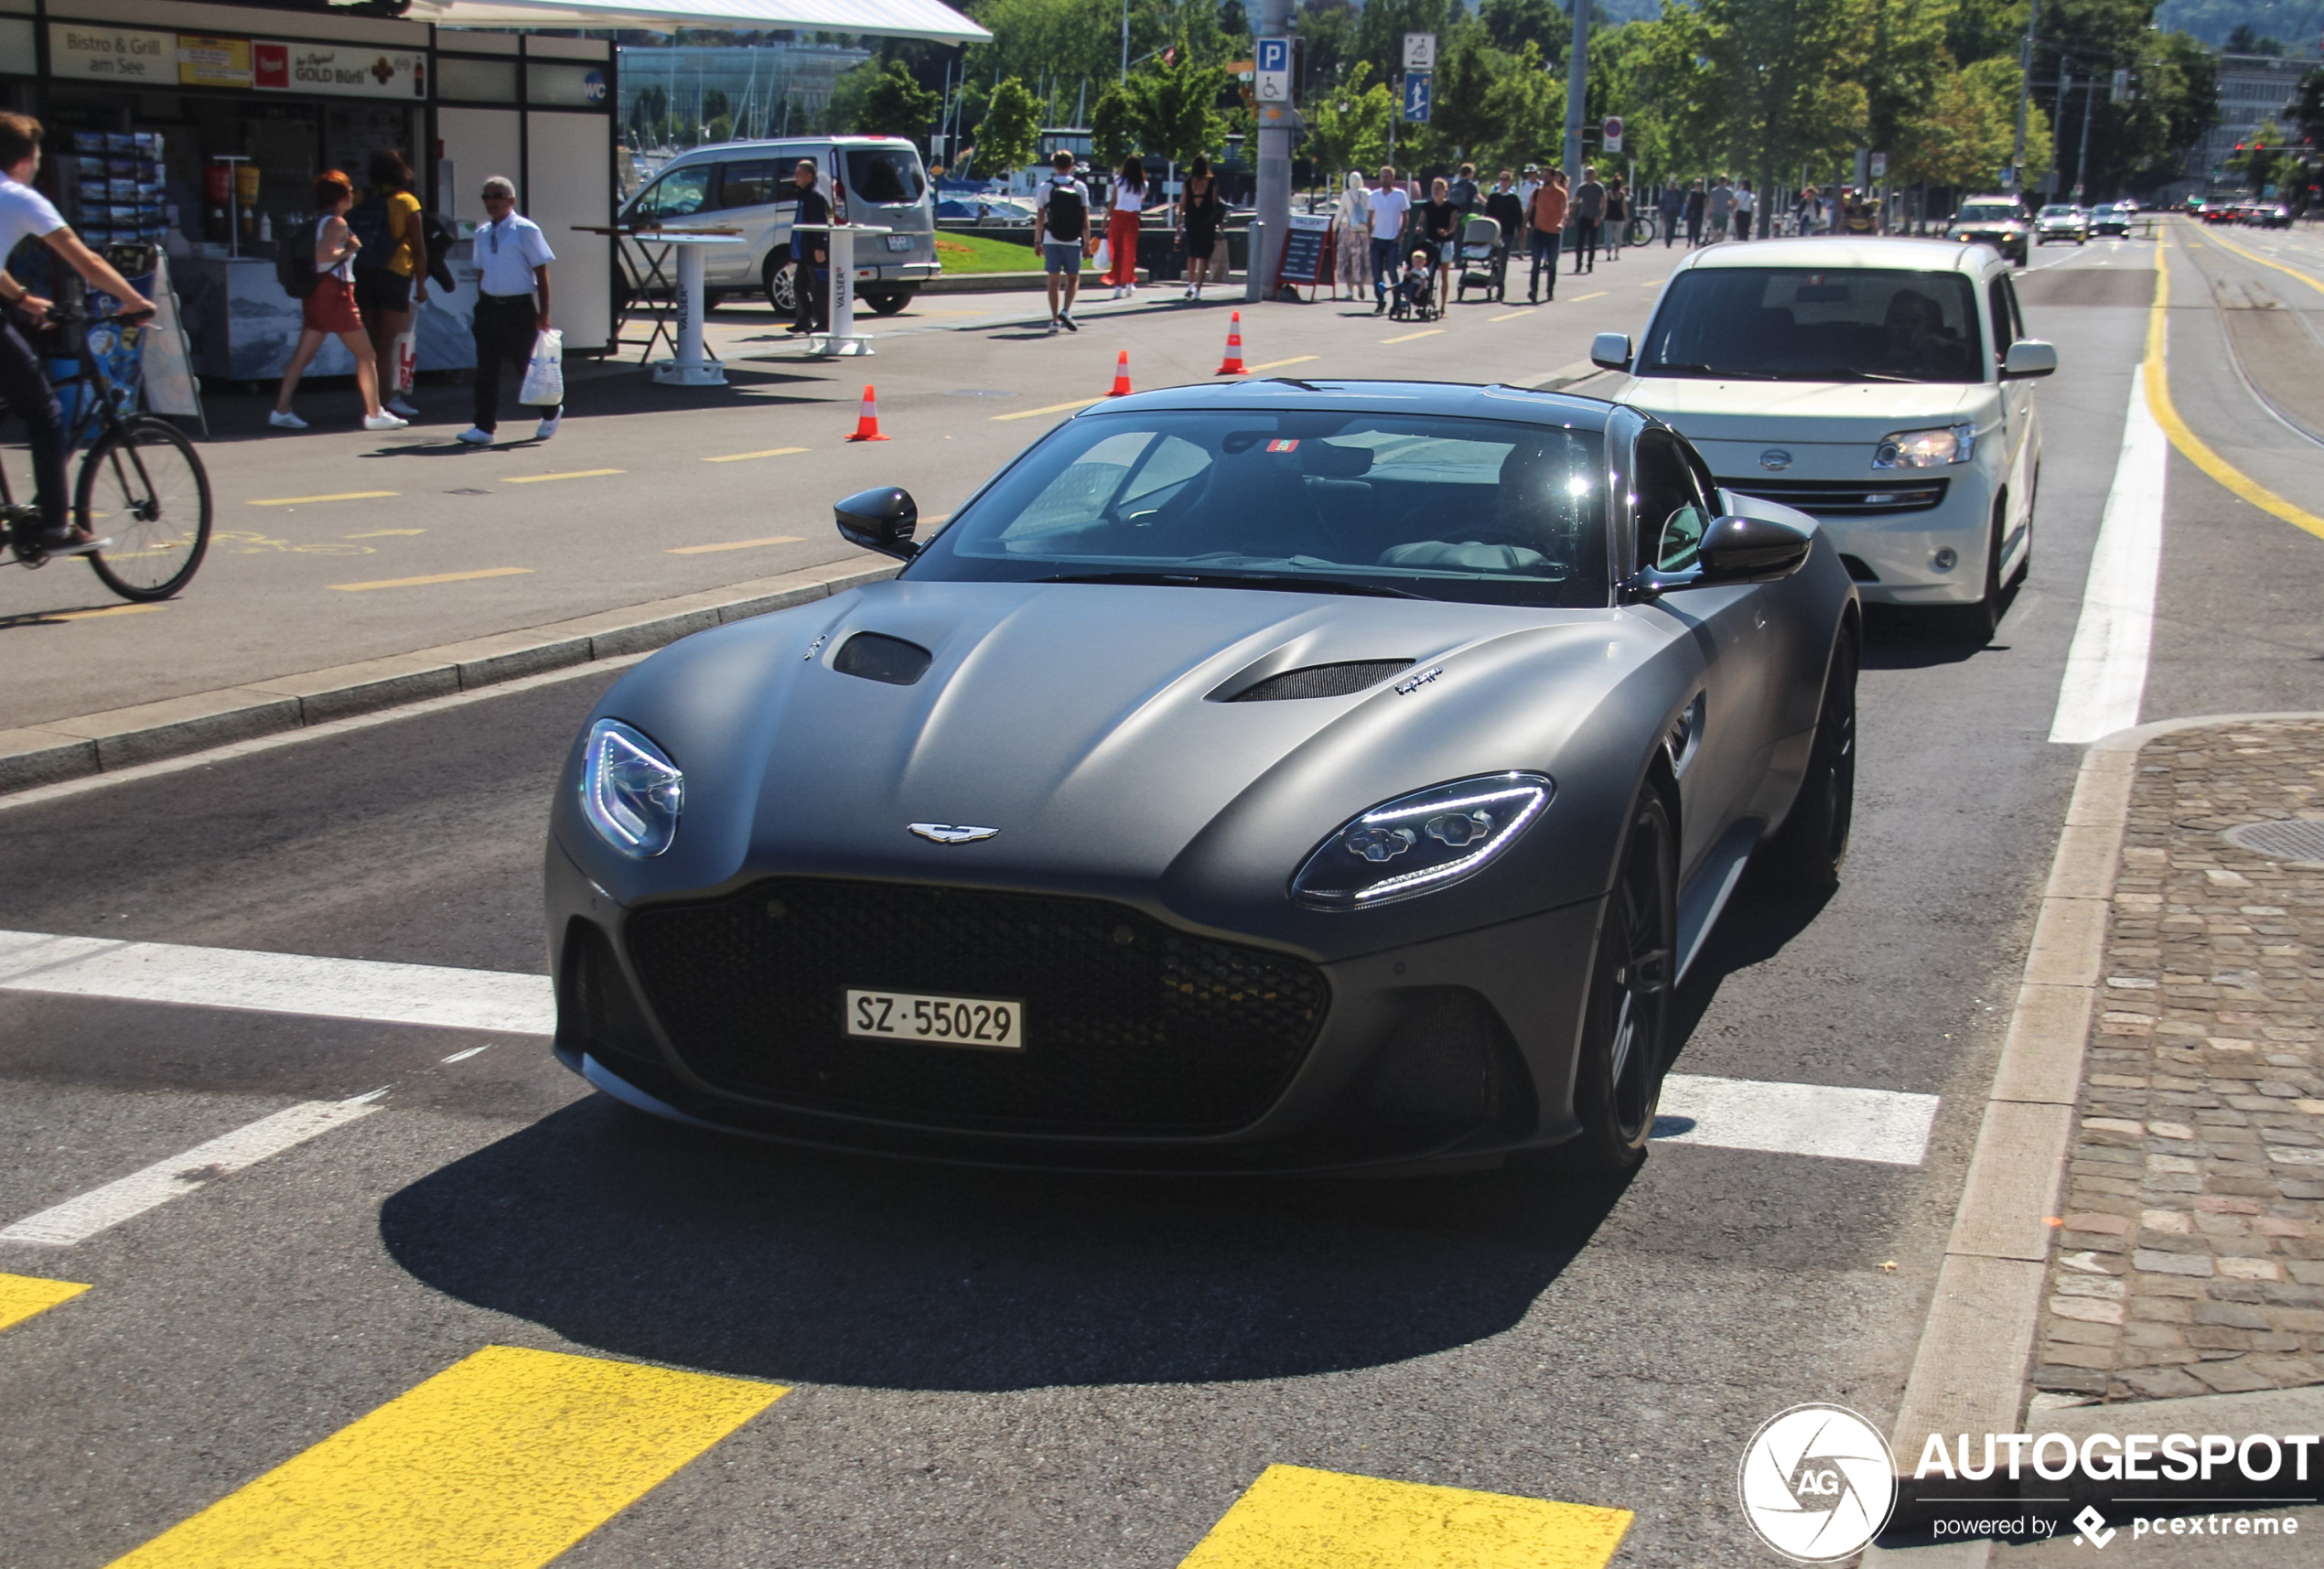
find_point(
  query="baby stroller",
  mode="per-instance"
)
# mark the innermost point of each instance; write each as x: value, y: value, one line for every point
x: 1416, y: 290
x: 1483, y: 259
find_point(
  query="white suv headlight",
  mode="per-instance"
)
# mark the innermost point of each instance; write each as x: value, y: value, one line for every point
x: 1926, y: 448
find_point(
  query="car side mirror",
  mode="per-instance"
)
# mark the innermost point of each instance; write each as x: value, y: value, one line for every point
x: 1752, y: 550
x: 2028, y: 356
x: 1610, y: 350
x: 881, y: 519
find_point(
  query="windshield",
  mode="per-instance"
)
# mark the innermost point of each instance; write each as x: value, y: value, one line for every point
x: 681, y: 193
x: 1786, y: 324
x: 2056, y: 213
x: 886, y: 177
x: 1987, y: 212
x: 1396, y: 504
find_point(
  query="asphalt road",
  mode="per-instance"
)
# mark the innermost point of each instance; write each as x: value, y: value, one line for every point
x: 1013, y: 1370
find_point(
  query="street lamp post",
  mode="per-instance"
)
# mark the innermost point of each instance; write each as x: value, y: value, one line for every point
x: 1577, y: 90
x: 2025, y: 99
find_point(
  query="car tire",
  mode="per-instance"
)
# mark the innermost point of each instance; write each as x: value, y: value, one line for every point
x: 887, y: 302
x: 780, y: 282
x: 1618, y: 1075
x: 1812, y: 847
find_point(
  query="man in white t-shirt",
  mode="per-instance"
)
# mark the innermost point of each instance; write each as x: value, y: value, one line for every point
x: 25, y: 211
x: 1388, y: 207
x: 1061, y: 214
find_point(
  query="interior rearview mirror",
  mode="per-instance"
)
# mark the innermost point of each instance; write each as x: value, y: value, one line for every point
x: 881, y: 519
x: 1610, y: 350
x: 2028, y: 356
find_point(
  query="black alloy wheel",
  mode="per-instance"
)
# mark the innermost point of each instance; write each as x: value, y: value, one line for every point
x: 1812, y: 845
x: 887, y: 302
x: 1619, y: 1077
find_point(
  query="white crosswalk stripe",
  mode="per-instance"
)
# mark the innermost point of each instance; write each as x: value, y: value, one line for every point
x: 1886, y: 1126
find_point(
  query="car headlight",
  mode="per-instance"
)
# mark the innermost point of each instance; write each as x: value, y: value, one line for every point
x: 1417, y: 844
x: 630, y: 792
x: 1926, y: 448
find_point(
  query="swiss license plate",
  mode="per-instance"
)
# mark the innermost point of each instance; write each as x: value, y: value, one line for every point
x: 898, y: 241
x: 980, y: 1023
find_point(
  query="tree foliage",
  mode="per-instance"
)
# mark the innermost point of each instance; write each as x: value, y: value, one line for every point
x: 1010, y: 133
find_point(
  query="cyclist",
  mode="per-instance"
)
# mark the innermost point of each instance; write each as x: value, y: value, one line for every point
x: 24, y: 210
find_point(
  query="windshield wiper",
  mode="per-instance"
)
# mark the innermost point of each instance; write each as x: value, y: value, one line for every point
x: 1238, y: 580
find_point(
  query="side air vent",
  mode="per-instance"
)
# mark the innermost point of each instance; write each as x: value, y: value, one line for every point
x: 1321, y: 680
x: 878, y: 657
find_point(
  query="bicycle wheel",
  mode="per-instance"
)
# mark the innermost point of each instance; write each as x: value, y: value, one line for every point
x: 143, y: 487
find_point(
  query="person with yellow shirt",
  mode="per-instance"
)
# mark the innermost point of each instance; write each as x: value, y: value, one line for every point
x: 388, y: 288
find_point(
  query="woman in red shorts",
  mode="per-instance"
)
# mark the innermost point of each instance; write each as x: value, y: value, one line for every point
x: 330, y: 310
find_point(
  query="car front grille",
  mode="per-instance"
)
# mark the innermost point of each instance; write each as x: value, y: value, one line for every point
x: 1845, y: 499
x: 1129, y: 1026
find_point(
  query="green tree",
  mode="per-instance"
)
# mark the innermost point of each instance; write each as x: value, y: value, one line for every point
x: 1326, y: 31
x: 1512, y: 23
x: 2259, y: 156
x: 1526, y: 108
x: 893, y: 104
x: 1010, y: 132
x: 1348, y: 128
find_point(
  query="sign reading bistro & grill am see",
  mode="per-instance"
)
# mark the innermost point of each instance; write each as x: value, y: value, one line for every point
x: 187, y: 60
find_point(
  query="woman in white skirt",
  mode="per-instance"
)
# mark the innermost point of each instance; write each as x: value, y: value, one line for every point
x: 1351, y: 223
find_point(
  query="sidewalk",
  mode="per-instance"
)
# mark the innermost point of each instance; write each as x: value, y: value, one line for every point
x: 2190, y: 1253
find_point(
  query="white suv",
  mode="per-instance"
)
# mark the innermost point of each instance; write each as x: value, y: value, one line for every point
x: 1882, y: 386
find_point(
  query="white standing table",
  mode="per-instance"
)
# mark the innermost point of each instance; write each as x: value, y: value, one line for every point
x: 689, y: 366
x: 841, y: 339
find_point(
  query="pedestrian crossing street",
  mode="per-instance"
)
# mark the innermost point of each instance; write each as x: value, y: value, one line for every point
x: 511, y: 1456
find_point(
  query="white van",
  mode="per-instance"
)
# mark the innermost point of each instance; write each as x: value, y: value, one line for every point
x: 749, y: 186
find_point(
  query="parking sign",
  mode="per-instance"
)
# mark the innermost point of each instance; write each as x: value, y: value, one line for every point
x: 1420, y: 51
x: 1271, y: 76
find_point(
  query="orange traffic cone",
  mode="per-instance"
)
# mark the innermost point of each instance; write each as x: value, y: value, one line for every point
x: 1121, y: 376
x: 1232, y: 365
x: 868, y: 421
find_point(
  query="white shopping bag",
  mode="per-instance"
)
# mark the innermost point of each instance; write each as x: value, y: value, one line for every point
x: 545, y: 373
x: 1106, y: 255
x: 404, y: 361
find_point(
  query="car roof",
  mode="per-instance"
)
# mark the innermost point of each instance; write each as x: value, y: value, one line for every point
x: 1455, y: 399
x: 1832, y: 253
x: 777, y: 143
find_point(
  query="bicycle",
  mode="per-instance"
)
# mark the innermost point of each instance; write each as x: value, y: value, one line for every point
x: 141, y: 485
x: 1641, y: 229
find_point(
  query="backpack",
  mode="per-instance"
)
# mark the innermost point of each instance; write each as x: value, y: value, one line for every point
x: 1464, y: 194
x: 1069, y: 215
x: 295, y: 263
x: 367, y: 219
x: 439, y: 239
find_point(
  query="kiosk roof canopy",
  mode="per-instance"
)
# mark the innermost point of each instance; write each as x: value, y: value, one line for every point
x: 884, y: 18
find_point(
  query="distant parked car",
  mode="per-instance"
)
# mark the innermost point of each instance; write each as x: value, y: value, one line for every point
x: 2271, y: 215
x: 1008, y: 211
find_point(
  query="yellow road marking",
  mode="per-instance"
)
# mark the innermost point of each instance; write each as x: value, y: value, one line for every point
x: 1408, y: 336
x: 437, y: 578
x: 502, y: 1461
x: 1514, y: 315
x: 2264, y: 262
x: 342, y: 496
x: 1053, y: 409
x: 1279, y: 364
x: 1599, y: 295
x: 22, y: 1296
x: 744, y: 456
x: 2198, y: 451
x: 734, y: 544
x: 1294, y: 1518
x: 568, y: 473
x: 387, y: 533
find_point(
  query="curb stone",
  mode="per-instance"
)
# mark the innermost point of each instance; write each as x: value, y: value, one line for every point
x: 58, y: 750
x: 1976, y: 1346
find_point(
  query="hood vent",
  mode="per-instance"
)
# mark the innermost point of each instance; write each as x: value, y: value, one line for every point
x: 875, y: 656
x: 1321, y: 680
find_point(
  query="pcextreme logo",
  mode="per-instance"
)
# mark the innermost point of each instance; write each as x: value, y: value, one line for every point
x: 1817, y: 1483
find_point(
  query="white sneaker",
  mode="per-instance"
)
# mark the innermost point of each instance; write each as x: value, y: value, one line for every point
x: 402, y: 410
x: 548, y: 427
x: 383, y: 421
x: 475, y: 435
x: 282, y: 419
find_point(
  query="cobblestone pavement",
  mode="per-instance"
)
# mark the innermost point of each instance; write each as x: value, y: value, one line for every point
x: 2190, y: 1258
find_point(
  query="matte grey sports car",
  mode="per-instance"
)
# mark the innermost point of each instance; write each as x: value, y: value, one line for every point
x: 1264, y: 776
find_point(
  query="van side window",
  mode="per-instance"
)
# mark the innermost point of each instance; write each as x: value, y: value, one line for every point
x: 754, y: 184
x: 681, y: 193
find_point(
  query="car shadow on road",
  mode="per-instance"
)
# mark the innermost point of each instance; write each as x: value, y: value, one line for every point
x: 1762, y: 917
x: 1917, y: 639
x: 652, y: 1240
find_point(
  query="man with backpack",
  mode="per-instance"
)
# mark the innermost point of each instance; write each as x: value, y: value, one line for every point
x: 391, y: 270
x: 1061, y: 212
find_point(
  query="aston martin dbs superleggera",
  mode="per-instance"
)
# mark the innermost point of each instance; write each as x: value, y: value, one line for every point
x: 1269, y: 776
